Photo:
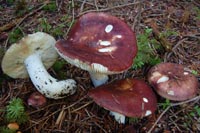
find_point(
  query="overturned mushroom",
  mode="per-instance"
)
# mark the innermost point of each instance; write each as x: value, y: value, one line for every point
x: 127, y: 97
x: 173, y: 82
x: 26, y: 58
x: 101, y: 44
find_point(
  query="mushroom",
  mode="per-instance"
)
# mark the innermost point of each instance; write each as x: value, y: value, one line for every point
x: 36, y: 100
x: 14, y: 126
x: 127, y: 97
x: 100, y: 44
x: 173, y: 81
x: 25, y: 59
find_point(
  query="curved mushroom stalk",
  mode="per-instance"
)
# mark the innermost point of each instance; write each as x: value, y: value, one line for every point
x: 120, y: 118
x: 98, y: 78
x: 45, y: 83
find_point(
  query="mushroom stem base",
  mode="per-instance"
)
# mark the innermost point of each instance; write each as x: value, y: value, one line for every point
x: 98, y: 78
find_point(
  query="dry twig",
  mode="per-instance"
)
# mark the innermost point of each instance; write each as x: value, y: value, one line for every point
x: 172, y: 105
x: 165, y: 43
x: 110, y: 8
x: 18, y: 21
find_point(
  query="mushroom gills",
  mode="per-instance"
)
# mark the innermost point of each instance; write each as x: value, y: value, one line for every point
x: 45, y: 83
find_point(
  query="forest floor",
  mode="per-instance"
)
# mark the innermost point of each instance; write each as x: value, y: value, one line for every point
x: 173, y: 24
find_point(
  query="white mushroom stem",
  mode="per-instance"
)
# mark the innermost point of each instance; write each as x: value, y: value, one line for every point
x: 45, y: 83
x: 118, y: 117
x: 98, y: 78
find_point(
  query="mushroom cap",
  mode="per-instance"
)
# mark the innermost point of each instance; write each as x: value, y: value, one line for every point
x: 130, y: 97
x: 40, y: 43
x: 99, y: 42
x: 36, y: 100
x: 172, y: 81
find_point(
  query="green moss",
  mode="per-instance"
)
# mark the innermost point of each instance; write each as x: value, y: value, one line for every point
x: 146, y: 47
x: 15, y: 35
x: 4, y: 129
x: 50, y: 7
x: 15, y: 111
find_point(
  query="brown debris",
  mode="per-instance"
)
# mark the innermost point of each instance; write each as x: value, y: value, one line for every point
x: 164, y: 42
x: 185, y: 17
x: 18, y: 21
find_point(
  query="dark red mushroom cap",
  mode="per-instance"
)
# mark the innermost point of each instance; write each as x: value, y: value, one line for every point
x: 36, y: 100
x: 173, y: 82
x: 130, y: 97
x: 99, y: 42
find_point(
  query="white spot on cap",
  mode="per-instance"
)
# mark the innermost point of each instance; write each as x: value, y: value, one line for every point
x: 170, y: 92
x: 155, y: 75
x: 107, y: 49
x: 116, y: 37
x: 185, y: 73
x: 108, y: 28
x: 169, y: 72
x: 148, y: 112
x: 119, y: 36
x: 163, y: 79
x: 104, y: 43
x: 145, y: 100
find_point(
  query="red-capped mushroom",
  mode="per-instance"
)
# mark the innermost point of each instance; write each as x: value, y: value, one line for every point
x: 127, y: 97
x: 36, y: 100
x: 101, y: 44
x: 173, y: 81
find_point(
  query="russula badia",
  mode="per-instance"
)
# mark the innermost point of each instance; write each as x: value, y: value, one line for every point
x: 173, y: 81
x: 126, y: 97
x: 100, y: 44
